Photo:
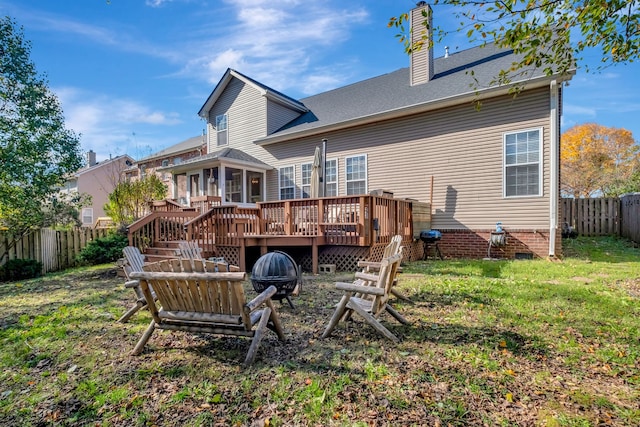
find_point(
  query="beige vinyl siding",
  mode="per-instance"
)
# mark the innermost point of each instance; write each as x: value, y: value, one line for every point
x: 462, y: 149
x: 278, y: 115
x: 421, y: 60
x: 246, y: 111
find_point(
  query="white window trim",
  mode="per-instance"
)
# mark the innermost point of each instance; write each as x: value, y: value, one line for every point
x: 540, y: 162
x: 218, y: 131
x: 83, y: 215
x: 337, y: 181
x: 302, y: 184
x: 366, y: 173
x: 280, y: 188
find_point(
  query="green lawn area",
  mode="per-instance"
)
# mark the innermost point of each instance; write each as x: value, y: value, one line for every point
x: 496, y: 343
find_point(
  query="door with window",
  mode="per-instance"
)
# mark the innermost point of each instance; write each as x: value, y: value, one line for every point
x: 254, y: 187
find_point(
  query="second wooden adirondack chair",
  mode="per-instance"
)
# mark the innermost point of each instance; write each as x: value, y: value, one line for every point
x: 368, y: 296
x: 134, y: 262
x: 394, y: 247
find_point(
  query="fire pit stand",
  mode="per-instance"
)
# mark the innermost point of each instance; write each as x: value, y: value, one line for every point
x: 279, y: 269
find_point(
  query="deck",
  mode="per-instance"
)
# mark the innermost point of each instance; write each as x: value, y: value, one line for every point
x: 329, y: 223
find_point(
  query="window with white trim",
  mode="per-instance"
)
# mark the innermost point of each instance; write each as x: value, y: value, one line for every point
x: 306, y: 169
x: 87, y: 216
x: 331, y: 178
x: 287, y: 182
x: 523, y: 163
x: 221, y: 129
x: 356, y: 174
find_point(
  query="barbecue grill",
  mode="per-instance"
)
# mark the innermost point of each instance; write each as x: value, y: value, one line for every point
x: 431, y: 237
x: 279, y: 269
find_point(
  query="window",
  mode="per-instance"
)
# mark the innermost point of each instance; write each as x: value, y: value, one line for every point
x: 331, y: 178
x: 87, y: 216
x: 165, y: 163
x: 221, y: 129
x: 306, y: 180
x: 522, y: 163
x: 356, y: 173
x: 287, y: 183
x: 143, y: 171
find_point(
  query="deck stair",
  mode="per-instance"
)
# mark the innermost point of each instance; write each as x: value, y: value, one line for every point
x: 161, y: 251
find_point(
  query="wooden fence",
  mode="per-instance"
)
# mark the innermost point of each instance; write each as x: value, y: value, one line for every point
x: 630, y: 217
x: 56, y: 250
x: 604, y: 216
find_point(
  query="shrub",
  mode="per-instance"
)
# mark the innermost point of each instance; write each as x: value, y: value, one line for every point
x: 18, y: 269
x: 103, y: 249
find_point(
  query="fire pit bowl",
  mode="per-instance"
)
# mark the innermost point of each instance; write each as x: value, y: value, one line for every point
x: 278, y: 269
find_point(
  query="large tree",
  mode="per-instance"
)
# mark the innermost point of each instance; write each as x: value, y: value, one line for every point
x: 36, y: 150
x: 598, y: 160
x: 553, y: 35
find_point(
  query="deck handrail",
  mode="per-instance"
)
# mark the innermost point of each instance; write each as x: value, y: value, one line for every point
x: 157, y: 227
x: 360, y: 220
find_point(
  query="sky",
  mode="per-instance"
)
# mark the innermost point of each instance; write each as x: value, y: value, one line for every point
x: 131, y: 75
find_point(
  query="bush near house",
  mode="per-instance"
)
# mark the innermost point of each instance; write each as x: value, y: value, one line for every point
x: 19, y: 269
x: 103, y: 249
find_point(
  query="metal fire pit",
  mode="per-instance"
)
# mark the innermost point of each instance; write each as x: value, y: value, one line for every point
x: 429, y: 237
x: 278, y: 269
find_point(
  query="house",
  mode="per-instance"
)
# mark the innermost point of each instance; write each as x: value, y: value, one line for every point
x: 97, y: 179
x: 179, y: 185
x: 415, y: 132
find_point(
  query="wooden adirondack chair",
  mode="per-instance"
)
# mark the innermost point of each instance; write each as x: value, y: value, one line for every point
x: 194, y: 298
x: 368, y: 296
x: 189, y: 249
x: 134, y: 262
x: 394, y: 247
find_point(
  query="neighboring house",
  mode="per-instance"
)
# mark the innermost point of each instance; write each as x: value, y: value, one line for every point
x: 179, y: 185
x: 416, y: 132
x: 97, y: 179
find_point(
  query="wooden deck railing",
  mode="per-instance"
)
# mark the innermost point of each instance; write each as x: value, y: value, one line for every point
x: 222, y: 225
x: 347, y: 220
x: 163, y: 226
x: 203, y: 203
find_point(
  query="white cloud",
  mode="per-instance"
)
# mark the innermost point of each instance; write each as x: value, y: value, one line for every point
x: 112, y: 126
x: 277, y: 43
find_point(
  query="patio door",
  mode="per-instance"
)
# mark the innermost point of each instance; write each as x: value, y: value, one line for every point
x: 254, y: 187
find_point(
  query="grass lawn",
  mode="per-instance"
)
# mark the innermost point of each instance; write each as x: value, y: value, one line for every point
x: 495, y: 343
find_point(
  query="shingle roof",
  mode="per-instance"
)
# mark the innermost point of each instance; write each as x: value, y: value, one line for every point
x: 186, y: 145
x: 265, y: 90
x: 392, y: 92
x: 224, y: 153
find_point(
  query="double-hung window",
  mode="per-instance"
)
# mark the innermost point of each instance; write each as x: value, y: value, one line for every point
x: 287, y: 183
x: 87, y: 216
x: 523, y: 163
x: 306, y: 179
x: 221, y: 129
x: 356, y: 174
x: 331, y: 178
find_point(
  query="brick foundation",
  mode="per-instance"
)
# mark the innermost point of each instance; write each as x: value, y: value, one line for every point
x: 475, y: 244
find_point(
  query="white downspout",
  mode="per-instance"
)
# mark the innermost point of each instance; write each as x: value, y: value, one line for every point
x: 554, y: 167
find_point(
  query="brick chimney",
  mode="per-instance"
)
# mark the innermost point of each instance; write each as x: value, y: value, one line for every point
x: 421, y: 62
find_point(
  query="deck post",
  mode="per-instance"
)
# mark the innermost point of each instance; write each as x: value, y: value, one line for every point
x: 288, y: 220
x: 314, y: 255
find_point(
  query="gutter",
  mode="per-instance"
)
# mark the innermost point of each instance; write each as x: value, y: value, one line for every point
x: 554, y: 166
